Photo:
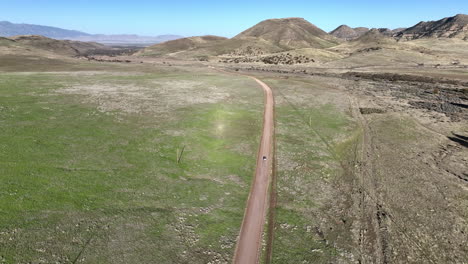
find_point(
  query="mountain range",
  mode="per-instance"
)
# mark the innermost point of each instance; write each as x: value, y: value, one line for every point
x: 449, y: 27
x: 8, y: 29
x: 297, y: 34
x: 272, y: 34
x: 289, y: 39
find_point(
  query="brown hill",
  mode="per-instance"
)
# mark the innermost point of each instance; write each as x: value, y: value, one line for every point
x: 361, y: 30
x: 347, y: 33
x: 181, y: 45
x: 5, y: 41
x: 449, y: 27
x: 62, y: 47
x: 376, y: 36
x: 289, y: 33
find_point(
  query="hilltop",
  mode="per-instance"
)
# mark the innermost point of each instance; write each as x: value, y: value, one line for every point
x: 347, y: 33
x: 290, y: 33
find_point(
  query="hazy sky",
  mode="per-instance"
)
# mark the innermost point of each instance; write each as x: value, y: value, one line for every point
x: 220, y: 17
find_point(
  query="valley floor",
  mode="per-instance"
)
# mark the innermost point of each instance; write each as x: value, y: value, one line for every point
x: 152, y: 163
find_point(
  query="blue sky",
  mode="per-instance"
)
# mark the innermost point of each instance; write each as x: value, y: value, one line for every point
x: 224, y: 18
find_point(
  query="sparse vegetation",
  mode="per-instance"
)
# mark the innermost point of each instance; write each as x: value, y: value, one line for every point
x: 312, y: 132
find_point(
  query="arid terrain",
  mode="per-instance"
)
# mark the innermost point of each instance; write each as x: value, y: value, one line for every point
x: 126, y: 155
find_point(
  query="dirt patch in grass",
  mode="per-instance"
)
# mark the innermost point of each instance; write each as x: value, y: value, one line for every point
x: 148, y: 95
x: 367, y: 111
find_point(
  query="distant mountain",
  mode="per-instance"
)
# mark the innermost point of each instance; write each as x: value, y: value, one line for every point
x: 347, y: 33
x: 290, y: 33
x: 125, y: 39
x: 8, y: 29
x: 449, y: 27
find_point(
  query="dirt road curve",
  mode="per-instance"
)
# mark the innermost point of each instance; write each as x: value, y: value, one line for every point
x: 249, y: 243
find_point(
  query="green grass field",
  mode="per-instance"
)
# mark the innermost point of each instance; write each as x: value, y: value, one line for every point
x: 90, y: 175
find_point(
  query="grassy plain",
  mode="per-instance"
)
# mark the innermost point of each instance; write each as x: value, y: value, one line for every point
x: 89, y: 170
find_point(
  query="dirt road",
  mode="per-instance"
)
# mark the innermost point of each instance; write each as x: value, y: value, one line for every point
x: 250, y: 238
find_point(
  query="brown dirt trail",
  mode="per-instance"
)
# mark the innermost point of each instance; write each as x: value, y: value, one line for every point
x: 249, y: 242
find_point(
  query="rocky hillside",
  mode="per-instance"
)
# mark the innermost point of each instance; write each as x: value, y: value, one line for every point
x: 449, y: 27
x: 290, y: 33
x: 347, y: 33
